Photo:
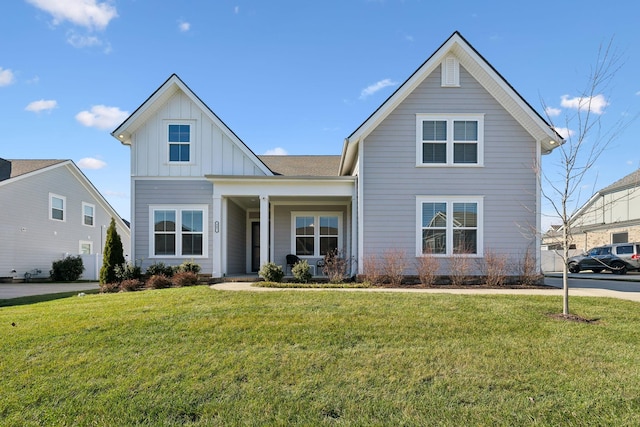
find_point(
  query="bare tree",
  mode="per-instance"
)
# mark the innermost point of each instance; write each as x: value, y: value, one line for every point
x: 585, y: 141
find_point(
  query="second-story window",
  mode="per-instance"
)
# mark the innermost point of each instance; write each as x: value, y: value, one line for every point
x: 450, y: 139
x: 179, y: 143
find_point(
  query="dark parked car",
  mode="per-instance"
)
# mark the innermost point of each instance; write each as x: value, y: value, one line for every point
x: 617, y: 258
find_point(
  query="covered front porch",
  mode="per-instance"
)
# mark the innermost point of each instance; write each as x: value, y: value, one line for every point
x: 257, y: 220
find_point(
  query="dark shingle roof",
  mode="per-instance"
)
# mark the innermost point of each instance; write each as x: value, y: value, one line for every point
x: 22, y: 167
x: 303, y: 165
x: 631, y: 180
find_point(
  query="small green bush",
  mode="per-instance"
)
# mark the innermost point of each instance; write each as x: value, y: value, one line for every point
x: 160, y: 268
x: 301, y: 271
x: 159, y: 281
x: 184, y: 278
x: 127, y: 271
x: 271, y: 272
x: 67, y: 269
x: 189, y: 266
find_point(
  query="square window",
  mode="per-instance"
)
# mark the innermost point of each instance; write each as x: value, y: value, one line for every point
x: 315, y: 235
x: 179, y: 231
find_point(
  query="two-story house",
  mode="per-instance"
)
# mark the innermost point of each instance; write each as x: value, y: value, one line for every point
x: 447, y: 165
x: 48, y: 210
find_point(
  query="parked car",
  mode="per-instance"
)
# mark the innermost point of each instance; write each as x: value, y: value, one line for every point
x: 617, y: 258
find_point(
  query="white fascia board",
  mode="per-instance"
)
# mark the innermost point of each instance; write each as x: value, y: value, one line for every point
x: 282, y: 186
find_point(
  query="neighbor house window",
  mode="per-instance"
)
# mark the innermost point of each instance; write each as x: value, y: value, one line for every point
x: 449, y: 226
x: 86, y: 248
x: 88, y: 214
x: 57, y: 207
x: 178, y: 231
x: 315, y: 234
x: 179, y: 142
x: 449, y: 139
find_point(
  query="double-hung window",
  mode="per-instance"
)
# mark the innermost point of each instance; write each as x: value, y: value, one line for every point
x: 315, y: 234
x: 57, y: 207
x: 88, y: 214
x: 179, y: 136
x: 449, y: 226
x: 449, y: 139
x: 178, y: 231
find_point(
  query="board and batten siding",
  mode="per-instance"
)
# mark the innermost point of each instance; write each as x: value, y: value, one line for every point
x: 212, y: 151
x: 166, y: 192
x: 236, y: 239
x: 30, y: 239
x: 617, y: 207
x: 391, y: 180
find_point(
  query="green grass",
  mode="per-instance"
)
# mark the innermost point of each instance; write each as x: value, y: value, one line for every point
x: 195, y: 356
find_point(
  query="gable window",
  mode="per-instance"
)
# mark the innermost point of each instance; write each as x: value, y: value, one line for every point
x: 449, y: 139
x: 178, y: 231
x: 315, y: 234
x: 88, y: 214
x: 179, y: 142
x: 57, y: 206
x: 449, y: 226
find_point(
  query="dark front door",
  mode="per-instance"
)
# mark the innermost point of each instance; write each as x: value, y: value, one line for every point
x: 255, y: 247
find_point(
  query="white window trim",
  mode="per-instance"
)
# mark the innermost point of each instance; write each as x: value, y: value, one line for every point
x: 192, y: 135
x: 449, y: 200
x: 64, y: 207
x: 94, y: 214
x: 178, y: 209
x: 316, y: 230
x: 85, y: 242
x: 450, y: 118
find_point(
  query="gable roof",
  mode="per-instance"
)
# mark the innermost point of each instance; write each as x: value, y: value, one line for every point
x: 161, y: 95
x: 25, y: 168
x: 479, y: 69
x: 22, y: 167
x: 302, y: 165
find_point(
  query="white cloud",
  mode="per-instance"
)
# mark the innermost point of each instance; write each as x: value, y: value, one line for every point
x: 552, y: 112
x: 42, y: 105
x: 118, y: 194
x: 564, y: 132
x: 638, y: 93
x: 371, y: 89
x: 90, y: 14
x: 236, y: 10
x: 278, y: 151
x: 184, y: 26
x: 77, y: 40
x: 102, y: 117
x: 6, y: 77
x: 91, y: 163
x: 595, y: 104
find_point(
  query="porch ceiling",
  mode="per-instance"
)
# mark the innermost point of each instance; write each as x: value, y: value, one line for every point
x: 253, y: 202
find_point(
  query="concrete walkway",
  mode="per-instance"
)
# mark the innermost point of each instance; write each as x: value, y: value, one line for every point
x: 585, y: 292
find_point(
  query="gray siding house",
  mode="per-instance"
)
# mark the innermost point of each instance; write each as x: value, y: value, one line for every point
x: 48, y: 210
x: 446, y: 166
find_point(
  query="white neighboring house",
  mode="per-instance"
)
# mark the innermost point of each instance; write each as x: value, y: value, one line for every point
x: 446, y: 165
x: 48, y: 210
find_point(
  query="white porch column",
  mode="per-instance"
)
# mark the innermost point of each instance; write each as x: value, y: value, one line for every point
x: 216, y: 256
x: 264, y: 230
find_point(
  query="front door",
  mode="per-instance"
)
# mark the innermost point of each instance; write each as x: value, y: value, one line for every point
x: 255, y: 246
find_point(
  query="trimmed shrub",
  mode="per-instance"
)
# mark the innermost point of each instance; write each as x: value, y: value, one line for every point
x: 184, y: 278
x: 160, y: 269
x: 113, y: 254
x: 427, y: 266
x: 271, y: 272
x: 159, y: 281
x: 130, y: 285
x: 67, y: 269
x: 393, y: 266
x: 494, y: 268
x: 372, y: 273
x: 301, y: 271
x: 127, y: 271
x: 109, y: 288
x: 189, y: 266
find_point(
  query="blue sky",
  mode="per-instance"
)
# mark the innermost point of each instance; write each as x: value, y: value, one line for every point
x: 292, y: 77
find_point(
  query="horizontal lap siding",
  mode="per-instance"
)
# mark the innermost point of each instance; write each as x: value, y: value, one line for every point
x: 391, y: 181
x: 169, y: 192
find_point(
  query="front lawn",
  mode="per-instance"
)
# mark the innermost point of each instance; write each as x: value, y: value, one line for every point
x: 196, y: 356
